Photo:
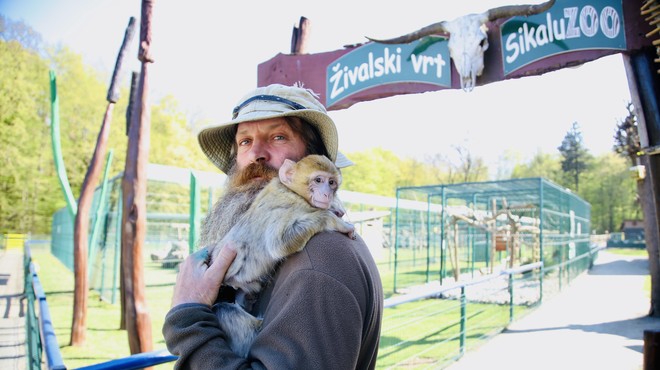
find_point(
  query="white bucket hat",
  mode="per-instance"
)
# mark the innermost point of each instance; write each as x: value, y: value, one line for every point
x: 270, y: 102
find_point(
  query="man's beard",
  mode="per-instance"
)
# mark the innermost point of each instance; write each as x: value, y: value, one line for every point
x: 242, y: 186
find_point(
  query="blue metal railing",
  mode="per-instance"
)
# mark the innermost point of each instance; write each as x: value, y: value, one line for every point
x: 41, y: 339
x: 44, y: 337
x: 137, y: 361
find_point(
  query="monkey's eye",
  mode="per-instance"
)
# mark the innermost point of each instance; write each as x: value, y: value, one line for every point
x: 318, y: 180
x: 331, y: 182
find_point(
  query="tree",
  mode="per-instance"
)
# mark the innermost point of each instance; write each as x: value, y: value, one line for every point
x: 22, y: 33
x: 626, y: 137
x: 574, y: 154
x: 469, y: 168
x: 462, y: 167
x: 543, y: 165
x: 26, y: 190
x: 379, y: 166
x: 607, y: 186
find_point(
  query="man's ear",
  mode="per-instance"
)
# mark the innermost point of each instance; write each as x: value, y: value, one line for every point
x: 287, y: 170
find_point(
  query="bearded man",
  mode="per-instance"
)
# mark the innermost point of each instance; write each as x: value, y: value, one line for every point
x: 323, y: 306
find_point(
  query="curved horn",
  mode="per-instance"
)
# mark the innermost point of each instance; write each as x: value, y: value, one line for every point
x: 432, y: 29
x: 518, y: 10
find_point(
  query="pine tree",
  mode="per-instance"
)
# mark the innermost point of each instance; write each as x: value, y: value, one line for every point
x: 575, y: 155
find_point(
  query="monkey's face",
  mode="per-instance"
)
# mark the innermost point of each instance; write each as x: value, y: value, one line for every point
x: 322, y: 188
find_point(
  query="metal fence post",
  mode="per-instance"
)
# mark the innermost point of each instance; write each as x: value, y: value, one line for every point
x: 194, y: 212
x: 510, y: 298
x: 463, y: 320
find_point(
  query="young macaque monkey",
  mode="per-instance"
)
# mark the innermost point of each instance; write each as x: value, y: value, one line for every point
x: 282, y: 218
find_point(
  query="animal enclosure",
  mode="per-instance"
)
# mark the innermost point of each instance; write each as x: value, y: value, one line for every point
x: 460, y: 231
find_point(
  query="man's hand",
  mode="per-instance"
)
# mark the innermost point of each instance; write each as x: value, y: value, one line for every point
x: 197, y: 282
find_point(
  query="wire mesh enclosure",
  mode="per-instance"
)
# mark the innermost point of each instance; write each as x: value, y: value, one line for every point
x: 167, y: 238
x: 461, y: 231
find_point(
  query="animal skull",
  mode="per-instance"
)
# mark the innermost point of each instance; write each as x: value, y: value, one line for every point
x: 468, y: 37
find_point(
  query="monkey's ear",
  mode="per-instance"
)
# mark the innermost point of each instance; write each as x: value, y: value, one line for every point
x: 286, y: 171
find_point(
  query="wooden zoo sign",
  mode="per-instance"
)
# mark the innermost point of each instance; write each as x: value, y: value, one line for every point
x: 568, y: 33
x: 568, y: 26
x: 373, y: 64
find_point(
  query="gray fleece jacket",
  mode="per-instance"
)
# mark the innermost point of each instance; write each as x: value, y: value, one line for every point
x: 322, y: 310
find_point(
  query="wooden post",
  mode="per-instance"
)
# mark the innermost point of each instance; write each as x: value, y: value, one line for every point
x: 81, y: 226
x: 135, y: 78
x: 643, y: 91
x: 651, y: 349
x: 134, y: 185
x: 299, y: 36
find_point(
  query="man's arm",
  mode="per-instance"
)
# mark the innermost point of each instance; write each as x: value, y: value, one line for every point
x: 191, y: 329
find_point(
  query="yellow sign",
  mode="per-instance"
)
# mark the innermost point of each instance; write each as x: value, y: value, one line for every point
x: 15, y: 241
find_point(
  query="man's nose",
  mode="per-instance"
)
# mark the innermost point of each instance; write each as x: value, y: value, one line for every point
x: 259, y: 152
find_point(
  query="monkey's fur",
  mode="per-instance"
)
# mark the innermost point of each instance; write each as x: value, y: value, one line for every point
x: 280, y: 221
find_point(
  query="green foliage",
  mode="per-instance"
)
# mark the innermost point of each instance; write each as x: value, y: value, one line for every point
x: 173, y: 143
x: 575, y: 155
x: 81, y: 92
x: 379, y: 171
x: 626, y: 137
x: 31, y: 192
x: 541, y: 165
x: 611, y: 192
x: 26, y: 200
x: 375, y: 172
x: 607, y: 186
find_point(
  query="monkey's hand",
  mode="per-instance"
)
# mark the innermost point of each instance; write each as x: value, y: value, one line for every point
x: 349, y: 230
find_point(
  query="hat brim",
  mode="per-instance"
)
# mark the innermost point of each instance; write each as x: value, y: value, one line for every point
x: 216, y: 141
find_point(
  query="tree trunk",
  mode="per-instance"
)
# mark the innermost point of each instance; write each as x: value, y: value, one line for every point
x: 135, y: 81
x: 80, y: 234
x: 134, y: 185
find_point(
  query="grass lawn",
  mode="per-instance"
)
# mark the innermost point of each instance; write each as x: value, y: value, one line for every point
x: 637, y: 252
x: 104, y: 340
x: 414, y: 335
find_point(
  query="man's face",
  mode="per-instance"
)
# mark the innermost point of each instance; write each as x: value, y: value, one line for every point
x: 262, y: 148
x: 268, y: 142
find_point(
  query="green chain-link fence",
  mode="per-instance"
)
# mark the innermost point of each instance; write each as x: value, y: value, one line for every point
x: 449, y: 231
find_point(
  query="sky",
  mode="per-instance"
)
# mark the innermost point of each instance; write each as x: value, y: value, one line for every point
x: 207, y: 52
